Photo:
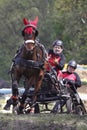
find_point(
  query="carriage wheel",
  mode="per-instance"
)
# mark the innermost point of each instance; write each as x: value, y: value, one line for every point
x: 74, y: 108
x: 69, y: 105
x: 79, y: 110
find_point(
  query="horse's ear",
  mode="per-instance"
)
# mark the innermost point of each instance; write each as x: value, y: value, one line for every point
x: 36, y: 20
x: 25, y: 21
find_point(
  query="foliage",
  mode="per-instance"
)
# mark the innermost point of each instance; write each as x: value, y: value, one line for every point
x: 66, y: 20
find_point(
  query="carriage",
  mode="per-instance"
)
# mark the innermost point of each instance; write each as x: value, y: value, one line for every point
x: 52, y: 90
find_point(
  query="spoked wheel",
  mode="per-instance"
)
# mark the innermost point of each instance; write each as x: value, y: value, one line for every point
x: 80, y: 110
x: 69, y: 105
x: 74, y: 108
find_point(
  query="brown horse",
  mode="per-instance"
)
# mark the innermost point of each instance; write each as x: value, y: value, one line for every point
x: 29, y: 61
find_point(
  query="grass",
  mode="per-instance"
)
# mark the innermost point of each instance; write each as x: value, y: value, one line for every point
x: 43, y: 121
x: 47, y: 121
x: 2, y: 102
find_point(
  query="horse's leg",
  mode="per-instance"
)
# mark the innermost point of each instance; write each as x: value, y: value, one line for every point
x: 14, y: 98
x: 38, y: 82
x: 15, y: 75
x: 24, y: 96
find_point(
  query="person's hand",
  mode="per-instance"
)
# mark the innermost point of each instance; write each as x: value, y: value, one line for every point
x: 47, y: 58
x: 56, y: 61
x: 71, y: 82
x: 68, y: 82
x: 65, y: 81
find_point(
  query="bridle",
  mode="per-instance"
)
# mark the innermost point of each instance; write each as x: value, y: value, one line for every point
x: 27, y: 42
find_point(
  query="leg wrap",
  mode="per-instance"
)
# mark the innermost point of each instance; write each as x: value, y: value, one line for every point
x: 24, y: 96
x: 15, y: 90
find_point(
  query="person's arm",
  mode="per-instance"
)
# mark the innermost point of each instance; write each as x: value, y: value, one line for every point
x: 61, y: 63
x: 78, y: 81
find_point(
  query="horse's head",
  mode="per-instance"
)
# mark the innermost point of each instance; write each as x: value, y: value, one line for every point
x: 30, y: 33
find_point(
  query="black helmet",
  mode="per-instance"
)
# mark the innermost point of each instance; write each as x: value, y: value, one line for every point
x: 72, y: 63
x: 58, y: 43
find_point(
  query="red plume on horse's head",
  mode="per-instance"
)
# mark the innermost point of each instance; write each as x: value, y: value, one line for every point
x: 30, y: 25
x: 26, y: 22
x: 34, y: 22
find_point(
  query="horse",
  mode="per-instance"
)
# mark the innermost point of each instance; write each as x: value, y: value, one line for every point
x: 28, y: 62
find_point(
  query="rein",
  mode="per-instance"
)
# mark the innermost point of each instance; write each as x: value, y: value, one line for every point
x: 29, y: 63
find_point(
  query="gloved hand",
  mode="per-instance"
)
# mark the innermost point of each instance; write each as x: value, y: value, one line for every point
x: 65, y: 81
x: 68, y: 81
x: 71, y: 82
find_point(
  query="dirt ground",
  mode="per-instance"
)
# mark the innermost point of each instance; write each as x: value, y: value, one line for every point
x: 83, y: 89
x: 83, y: 76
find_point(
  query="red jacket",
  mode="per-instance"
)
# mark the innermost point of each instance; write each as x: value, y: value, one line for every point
x: 71, y: 76
x: 57, y: 66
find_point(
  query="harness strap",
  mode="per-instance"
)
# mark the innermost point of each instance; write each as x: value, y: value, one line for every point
x: 28, y: 63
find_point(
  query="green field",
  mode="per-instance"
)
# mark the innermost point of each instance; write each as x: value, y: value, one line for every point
x: 43, y: 121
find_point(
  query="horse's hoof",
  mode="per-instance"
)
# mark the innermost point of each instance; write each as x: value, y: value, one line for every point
x: 17, y: 111
x: 8, y: 104
x: 7, y: 108
x: 20, y: 112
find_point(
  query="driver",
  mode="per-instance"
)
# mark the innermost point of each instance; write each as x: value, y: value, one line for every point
x: 70, y: 78
x: 56, y: 58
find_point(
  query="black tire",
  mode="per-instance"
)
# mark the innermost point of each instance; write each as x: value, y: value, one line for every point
x: 79, y: 110
x: 74, y: 108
